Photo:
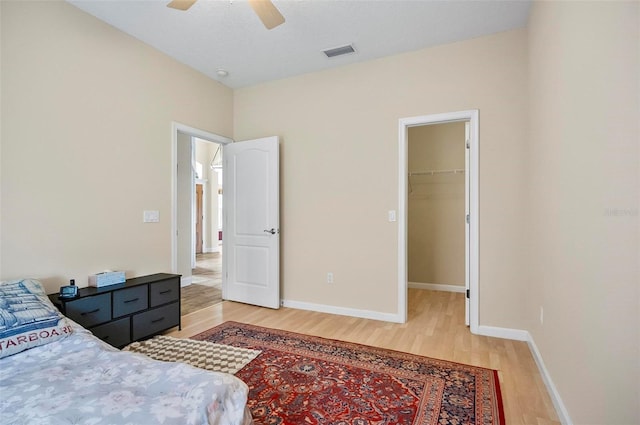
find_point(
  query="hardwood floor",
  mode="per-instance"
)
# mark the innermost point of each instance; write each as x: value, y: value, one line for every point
x: 208, y: 269
x: 435, y: 328
x: 196, y: 297
x: 206, y: 287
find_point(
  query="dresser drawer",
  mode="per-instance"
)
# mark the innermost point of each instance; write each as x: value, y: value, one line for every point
x: 130, y: 300
x: 89, y: 311
x: 120, y: 314
x: 156, y: 320
x: 116, y: 333
x: 164, y: 292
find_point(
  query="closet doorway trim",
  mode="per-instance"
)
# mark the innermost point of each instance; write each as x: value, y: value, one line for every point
x: 472, y: 116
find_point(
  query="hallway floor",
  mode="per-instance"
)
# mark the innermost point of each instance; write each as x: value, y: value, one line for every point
x: 206, y: 284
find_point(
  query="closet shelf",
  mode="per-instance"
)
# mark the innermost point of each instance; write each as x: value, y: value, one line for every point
x: 434, y: 172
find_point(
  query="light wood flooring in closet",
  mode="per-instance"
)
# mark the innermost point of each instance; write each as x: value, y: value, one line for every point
x: 435, y: 328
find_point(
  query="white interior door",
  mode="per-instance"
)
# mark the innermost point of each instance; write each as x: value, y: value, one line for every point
x: 251, y: 242
x: 467, y: 212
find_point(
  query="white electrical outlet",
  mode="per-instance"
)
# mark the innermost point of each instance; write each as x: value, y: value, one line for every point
x: 541, y: 315
x: 329, y: 277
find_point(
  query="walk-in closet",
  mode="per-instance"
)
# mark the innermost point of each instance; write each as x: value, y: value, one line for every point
x: 436, y: 207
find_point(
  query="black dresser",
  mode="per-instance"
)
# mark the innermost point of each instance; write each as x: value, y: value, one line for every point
x: 126, y: 312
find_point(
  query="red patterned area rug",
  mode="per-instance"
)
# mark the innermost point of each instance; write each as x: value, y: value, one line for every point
x: 301, y: 379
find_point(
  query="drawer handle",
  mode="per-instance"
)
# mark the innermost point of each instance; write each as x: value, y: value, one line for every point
x: 84, y: 313
x: 165, y: 292
x: 158, y: 320
x: 131, y: 301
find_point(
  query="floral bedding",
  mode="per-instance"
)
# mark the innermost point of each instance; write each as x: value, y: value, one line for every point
x: 81, y: 380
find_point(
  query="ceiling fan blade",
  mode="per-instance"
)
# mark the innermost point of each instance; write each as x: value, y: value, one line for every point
x: 181, y: 4
x: 267, y: 12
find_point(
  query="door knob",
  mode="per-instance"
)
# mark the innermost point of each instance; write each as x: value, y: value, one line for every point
x: 272, y: 231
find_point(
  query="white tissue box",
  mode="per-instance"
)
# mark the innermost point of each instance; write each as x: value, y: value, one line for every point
x: 106, y: 278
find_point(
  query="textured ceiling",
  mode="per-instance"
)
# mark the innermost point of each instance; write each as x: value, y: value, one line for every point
x: 226, y: 34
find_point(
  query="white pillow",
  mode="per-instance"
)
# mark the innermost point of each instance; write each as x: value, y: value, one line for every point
x: 27, y: 317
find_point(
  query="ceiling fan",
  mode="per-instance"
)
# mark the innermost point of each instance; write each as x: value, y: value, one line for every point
x: 266, y: 11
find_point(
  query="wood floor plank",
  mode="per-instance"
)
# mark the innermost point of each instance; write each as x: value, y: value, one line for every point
x: 435, y: 328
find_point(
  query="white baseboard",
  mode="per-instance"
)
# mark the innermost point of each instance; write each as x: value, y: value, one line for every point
x: 521, y: 335
x: 505, y: 333
x: 209, y: 249
x: 437, y: 287
x: 561, y: 409
x: 185, y: 281
x: 342, y: 311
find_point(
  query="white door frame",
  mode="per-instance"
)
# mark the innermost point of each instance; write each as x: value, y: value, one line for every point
x: 194, y: 132
x: 473, y: 249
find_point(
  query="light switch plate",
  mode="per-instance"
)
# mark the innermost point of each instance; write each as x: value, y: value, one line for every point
x: 151, y: 216
x: 392, y: 215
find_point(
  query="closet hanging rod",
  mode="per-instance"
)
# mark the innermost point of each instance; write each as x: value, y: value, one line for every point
x: 433, y: 172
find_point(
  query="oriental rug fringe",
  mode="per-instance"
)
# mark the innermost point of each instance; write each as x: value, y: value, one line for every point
x: 301, y: 379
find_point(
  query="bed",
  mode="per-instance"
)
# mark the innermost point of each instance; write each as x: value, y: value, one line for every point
x: 53, y: 371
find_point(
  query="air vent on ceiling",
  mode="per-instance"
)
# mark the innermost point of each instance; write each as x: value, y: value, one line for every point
x: 338, y: 51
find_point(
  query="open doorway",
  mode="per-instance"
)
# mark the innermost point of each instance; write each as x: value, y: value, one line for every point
x: 207, y: 198
x: 206, y: 261
x: 457, y: 184
x: 436, y: 207
x: 436, y: 211
x: 197, y: 216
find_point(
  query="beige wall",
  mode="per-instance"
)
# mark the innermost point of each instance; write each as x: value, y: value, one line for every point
x: 339, y: 166
x: 86, y: 143
x: 1, y: 133
x: 583, y: 197
x: 436, y: 205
